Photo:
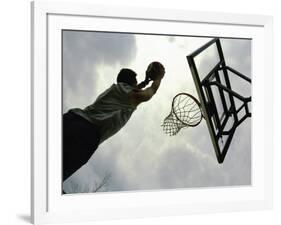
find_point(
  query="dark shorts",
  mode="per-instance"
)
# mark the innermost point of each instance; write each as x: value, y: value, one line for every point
x: 80, y: 140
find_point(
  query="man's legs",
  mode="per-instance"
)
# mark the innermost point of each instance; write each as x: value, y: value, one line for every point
x: 80, y: 140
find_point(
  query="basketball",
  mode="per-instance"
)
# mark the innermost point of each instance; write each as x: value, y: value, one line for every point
x: 154, y: 69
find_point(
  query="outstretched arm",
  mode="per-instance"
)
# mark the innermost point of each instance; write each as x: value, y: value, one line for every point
x: 143, y: 84
x: 138, y: 96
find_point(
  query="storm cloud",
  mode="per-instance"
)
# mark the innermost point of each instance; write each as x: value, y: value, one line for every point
x: 83, y: 53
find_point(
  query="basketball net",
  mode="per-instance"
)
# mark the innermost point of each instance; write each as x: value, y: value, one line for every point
x: 186, y: 112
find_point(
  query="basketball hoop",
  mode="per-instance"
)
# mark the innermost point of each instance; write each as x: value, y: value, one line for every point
x: 185, y: 112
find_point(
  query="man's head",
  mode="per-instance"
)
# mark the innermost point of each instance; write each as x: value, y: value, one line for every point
x: 127, y: 76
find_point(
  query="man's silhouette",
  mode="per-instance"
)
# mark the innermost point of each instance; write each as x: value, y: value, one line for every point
x: 85, y: 129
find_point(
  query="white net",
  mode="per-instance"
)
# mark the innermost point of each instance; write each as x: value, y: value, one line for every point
x: 185, y: 112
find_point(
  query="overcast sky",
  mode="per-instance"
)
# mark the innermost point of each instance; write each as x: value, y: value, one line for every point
x: 141, y: 156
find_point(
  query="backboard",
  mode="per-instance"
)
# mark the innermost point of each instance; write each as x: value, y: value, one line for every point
x: 223, y: 108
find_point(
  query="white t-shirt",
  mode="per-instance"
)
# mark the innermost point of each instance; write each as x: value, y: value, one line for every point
x: 111, y: 110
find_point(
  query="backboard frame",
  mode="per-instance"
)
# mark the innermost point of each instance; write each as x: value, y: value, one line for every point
x: 215, y: 123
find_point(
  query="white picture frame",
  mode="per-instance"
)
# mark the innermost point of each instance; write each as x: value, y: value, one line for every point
x: 47, y: 203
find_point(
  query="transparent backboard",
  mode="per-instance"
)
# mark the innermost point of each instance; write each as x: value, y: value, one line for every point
x: 224, y: 109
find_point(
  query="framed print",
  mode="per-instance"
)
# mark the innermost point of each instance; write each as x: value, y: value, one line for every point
x: 145, y: 112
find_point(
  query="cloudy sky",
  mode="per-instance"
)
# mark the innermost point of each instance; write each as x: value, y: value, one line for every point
x: 141, y: 156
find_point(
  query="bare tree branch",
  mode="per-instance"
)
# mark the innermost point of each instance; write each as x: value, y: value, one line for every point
x: 103, y: 182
